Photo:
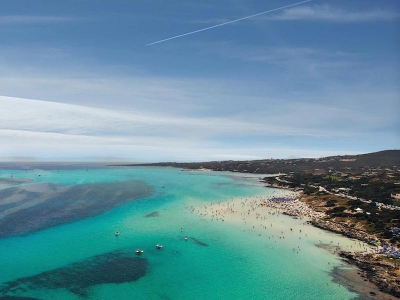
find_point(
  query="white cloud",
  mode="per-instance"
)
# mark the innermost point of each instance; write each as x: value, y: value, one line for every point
x: 332, y: 14
x: 287, y: 55
x: 50, y: 117
x: 176, y: 118
x: 47, y: 129
x: 41, y: 145
x: 23, y: 19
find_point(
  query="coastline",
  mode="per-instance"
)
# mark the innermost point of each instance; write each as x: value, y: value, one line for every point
x: 254, y: 211
x: 377, y: 286
x: 381, y: 277
x: 354, y: 277
x: 339, y: 228
x: 383, y: 274
x: 350, y: 277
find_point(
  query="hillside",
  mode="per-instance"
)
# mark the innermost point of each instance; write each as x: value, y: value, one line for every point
x: 346, y: 163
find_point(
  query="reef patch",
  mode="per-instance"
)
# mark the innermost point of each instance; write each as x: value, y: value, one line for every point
x: 198, y: 242
x: 26, y: 209
x: 153, y: 214
x: 113, y: 267
x: 17, y: 298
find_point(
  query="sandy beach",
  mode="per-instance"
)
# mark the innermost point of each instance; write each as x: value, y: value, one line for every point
x: 266, y: 215
x: 282, y: 218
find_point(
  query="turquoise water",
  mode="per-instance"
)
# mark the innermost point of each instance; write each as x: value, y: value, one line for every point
x: 220, y: 260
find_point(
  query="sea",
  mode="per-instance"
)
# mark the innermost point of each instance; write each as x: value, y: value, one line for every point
x: 58, y: 225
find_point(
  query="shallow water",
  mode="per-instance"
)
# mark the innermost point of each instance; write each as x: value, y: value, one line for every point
x: 219, y: 260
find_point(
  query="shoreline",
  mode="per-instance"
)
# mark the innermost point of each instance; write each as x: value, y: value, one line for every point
x: 345, y: 231
x: 351, y: 275
x: 369, y: 266
x: 379, y: 285
x: 382, y: 274
x: 254, y: 211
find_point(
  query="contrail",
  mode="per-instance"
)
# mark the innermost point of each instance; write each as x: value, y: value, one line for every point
x: 229, y: 22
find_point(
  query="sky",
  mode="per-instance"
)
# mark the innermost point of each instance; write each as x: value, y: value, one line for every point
x: 78, y: 80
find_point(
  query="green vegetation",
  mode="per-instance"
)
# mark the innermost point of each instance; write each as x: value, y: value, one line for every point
x: 375, y: 220
x: 346, y: 163
x: 332, y: 178
x: 331, y: 203
x: 308, y: 190
x: 377, y: 188
x: 338, y: 211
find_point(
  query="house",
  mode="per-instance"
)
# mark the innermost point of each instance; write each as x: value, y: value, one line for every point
x: 396, y: 196
x: 344, y: 191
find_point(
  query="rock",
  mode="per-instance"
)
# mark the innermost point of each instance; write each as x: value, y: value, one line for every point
x: 375, y: 270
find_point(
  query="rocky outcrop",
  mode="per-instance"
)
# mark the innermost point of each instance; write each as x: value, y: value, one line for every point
x: 343, y: 229
x: 376, y: 270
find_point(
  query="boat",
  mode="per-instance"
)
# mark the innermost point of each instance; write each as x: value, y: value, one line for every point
x: 117, y: 233
x: 159, y: 246
x: 139, y: 251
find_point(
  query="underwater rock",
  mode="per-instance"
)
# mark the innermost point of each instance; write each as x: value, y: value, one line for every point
x: 113, y: 267
x: 17, y: 298
x: 153, y: 214
x: 27, y: 209
x: 198, y: 242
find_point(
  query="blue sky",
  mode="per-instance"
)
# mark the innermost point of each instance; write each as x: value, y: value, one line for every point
x: 78, y: 81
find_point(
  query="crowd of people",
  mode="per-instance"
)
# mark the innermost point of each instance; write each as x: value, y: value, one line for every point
x: 287, y: 203
x: 389, y: 251
x: 291, y: 205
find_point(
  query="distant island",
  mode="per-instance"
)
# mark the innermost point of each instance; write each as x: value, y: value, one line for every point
x: 358, y: 194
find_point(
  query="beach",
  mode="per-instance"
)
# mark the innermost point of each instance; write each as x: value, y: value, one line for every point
x: 267, y: 216
x: 260, y: 214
